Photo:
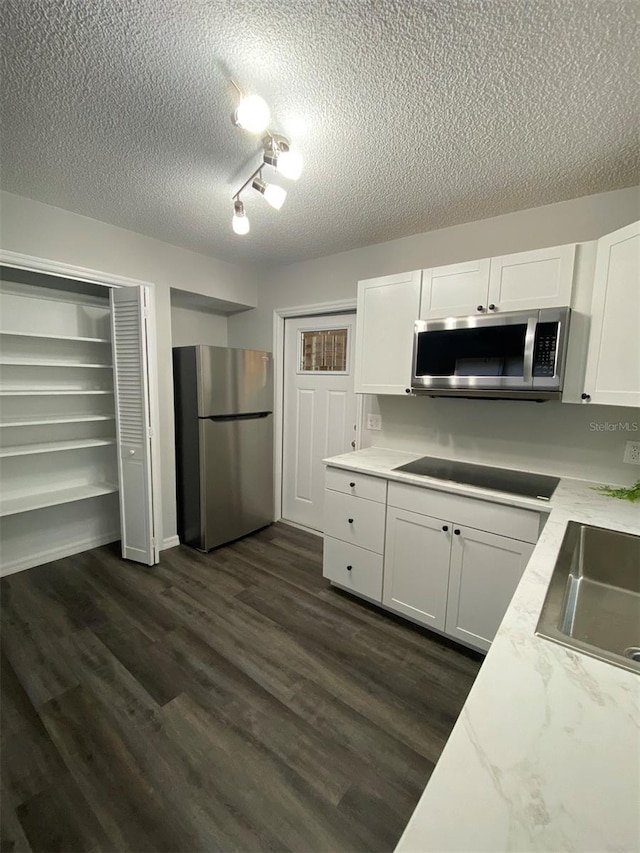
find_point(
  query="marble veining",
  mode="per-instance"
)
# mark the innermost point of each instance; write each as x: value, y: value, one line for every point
x: 545, y: 755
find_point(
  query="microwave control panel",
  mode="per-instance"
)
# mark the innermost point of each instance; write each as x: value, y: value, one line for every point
x: 544, y: 351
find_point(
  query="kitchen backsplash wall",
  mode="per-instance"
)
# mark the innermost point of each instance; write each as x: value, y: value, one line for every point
x: 571, y: 440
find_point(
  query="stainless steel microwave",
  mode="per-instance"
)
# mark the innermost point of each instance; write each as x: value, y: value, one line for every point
x: 517, y: 355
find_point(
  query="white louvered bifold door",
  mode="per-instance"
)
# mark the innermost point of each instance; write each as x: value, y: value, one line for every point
x: 129, y: 334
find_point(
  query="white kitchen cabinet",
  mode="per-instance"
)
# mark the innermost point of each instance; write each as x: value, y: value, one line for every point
x: 416, y: 566
x: 387, y: 309
x: 539, y: 279
x: 523, y: 281
x: 354, y: 522
x: 613, y: 359
x: 454, y: 290
x: 352, y: 568
x: 447, y: 561
x: 485, y: 570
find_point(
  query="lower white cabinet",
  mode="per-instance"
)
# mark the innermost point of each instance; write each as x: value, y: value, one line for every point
x: 353, y: 568
x: 443, y: 573
x: 354, y: 531
x: 485, y: 570
x: 354, y: 520
x: 416, y: 566
x: 456, y: 579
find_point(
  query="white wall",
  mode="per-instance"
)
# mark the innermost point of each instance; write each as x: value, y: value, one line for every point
x: 190, y: 327
x: 552, y: 437
x: 32, y: 228
x: 549, y: 436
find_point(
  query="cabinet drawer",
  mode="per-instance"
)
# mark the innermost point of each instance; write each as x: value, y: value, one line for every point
x: 360, y: 485
x: 354, y: 520
x: 353, y: 568
x: 516, y: 523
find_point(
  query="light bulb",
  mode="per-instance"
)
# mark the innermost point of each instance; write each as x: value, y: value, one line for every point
x: 272, y: 193
x: 252, y: 114
x: 240, y: 221
x: 275, y: 195
x: 290, y: 164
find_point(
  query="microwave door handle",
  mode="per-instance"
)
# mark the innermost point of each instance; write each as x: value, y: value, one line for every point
x: 529, y: 344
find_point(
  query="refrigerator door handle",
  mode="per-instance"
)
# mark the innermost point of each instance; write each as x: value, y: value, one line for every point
x: 247, y: 417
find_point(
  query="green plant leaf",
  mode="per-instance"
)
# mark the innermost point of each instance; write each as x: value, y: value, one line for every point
x: 630, y: 494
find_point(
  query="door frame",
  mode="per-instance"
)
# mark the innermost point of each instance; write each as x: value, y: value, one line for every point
x: 32, y: 263
x: 339, y: 306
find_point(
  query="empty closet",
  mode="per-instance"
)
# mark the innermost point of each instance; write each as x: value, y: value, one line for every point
x: 73, y: 385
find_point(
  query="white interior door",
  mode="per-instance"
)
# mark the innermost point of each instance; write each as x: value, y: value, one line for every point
x: 319, y: 411
x: 133, y: 422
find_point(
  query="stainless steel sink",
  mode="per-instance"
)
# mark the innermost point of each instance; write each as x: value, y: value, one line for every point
x: 593, y: 601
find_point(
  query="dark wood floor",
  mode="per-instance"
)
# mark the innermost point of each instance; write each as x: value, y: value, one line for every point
x: 224, y: 701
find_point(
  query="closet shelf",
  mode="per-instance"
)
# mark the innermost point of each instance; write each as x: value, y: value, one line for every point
x: 54, y: 337
x: 43, y: 392
x: 54, y: 446
x: 40, y: 362
x: 27, y: 503
x: 38, y: 420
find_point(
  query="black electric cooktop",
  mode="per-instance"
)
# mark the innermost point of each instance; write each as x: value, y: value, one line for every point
x: 499, y: 479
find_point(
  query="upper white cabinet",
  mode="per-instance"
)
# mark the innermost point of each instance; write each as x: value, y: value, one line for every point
x: 613, y: 360
x: 539, y: 279
x: 387, y: 309
x: 454, y: 290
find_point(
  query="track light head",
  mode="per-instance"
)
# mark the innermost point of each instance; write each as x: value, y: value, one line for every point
x: 240, y: 220
x: 252, y: 114
x: 273, y: 194
x: 278, y: 153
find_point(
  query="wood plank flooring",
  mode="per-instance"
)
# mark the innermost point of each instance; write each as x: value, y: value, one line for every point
x: 229, y: 701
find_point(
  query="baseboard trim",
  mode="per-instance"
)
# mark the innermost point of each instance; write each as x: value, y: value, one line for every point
x: 170, y: 542
x: 301, y: 527
x: 68, y: 550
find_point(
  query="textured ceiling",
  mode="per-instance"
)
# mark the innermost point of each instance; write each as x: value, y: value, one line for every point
x: 411, y: 114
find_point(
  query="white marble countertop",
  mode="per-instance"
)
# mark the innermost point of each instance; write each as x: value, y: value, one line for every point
x: 545, y: 755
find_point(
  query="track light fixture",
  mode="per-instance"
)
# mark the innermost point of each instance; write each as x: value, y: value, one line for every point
x: 252, y: 114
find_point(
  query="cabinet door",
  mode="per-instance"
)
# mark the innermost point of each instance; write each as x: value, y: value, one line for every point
x: 539, y: 279
x: 455, y: 290
x: 387, y: 309
x: 416, y: 566
x: 485, y: 571
x: 613, y: 359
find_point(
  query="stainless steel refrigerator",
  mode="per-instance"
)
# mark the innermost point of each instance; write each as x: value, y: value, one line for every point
x: 224, y: 443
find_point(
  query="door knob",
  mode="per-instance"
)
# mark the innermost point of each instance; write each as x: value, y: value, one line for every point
x: 457, y: 532
x: 350, y: 520
x: 445, y: 527
x: 492, y: 307
x: 349, y: 568
x: 353, y: 444
x: 480, y: 308
x: 585, y: 397
x: 353, y: 485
